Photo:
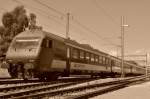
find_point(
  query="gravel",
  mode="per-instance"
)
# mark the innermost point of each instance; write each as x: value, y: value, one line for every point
x: 140, y: 91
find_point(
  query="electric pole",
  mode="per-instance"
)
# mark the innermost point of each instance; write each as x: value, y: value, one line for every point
x: 68, y: 50
x: 146, y: 66
x: 67, y: 26
x: 122, y: 45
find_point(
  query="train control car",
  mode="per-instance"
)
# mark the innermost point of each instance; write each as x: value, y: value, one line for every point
x: 36, y: 53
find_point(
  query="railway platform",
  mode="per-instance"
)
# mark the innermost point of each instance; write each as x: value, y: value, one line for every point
x: 139, y: 91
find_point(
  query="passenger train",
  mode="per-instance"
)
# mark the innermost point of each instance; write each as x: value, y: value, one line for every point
x: 36, y: 53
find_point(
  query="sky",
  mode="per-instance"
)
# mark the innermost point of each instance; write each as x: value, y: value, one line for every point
x: 94, y: 22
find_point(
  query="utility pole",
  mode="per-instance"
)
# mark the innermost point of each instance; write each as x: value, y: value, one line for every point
x: 146, y: 66
x: 122, y: 45
x: 67, y: 26
x: 68, y: 50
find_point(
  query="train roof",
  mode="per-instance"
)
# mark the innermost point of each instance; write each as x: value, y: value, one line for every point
x: 41, y: 33
x: 84, y: 46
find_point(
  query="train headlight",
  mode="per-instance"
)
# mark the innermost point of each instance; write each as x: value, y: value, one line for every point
x: 28, y: 66
x: 4, y: 65
x: 9, y: 60
x: 31, y: 60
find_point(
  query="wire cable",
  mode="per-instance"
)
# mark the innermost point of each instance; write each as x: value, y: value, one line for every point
x: 49, y: 16
x: 81, y: 25
x: 91, y: 31
x: 104, y: 11
x: 50, y: 8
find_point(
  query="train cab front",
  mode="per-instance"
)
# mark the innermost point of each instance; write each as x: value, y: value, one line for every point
x: 22, y: 56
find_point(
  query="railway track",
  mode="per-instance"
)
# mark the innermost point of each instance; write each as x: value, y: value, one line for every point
x: 29, y: 88
x: 15, y: 81
x: 19, y: 81
x: 72, y: 90
x: 98, y: 90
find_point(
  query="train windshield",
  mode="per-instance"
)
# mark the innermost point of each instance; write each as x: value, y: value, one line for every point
x: 25, y: 43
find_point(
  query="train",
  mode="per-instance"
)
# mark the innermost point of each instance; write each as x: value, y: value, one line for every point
x: 44, y: 55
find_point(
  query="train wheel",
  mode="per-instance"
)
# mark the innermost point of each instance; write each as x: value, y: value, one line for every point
x: 42, y: 78
x: 13, y: 71
x: 20, y: 72
x: 20, y: 75
x: 28, y: 74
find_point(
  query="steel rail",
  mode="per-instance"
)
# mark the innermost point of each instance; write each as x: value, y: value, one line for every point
x: 104, y: 90
x: 47, y: 92
x: 39, y: 88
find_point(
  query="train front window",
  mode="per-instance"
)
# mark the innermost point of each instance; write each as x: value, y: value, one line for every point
x: 47, y: 43
x: 26, y: 43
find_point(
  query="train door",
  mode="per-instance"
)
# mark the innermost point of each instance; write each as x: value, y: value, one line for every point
x: 112, y: 63
x: 46, y: 55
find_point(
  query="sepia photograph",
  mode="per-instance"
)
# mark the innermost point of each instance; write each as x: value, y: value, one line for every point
x: 74, y: 49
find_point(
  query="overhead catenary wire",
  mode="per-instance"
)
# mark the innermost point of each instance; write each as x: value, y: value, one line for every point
x: 89, y: 30
x: 97, y: 4
x: 41, y: 12
x: 83, y: 26
x: 60, y: 13
x: 105, y: 12
x: 52, y: 9
x: 38, y: 9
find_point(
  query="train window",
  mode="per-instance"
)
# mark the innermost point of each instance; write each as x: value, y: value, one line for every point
x: 112, y: 63
x: 50, y: 43
x: 81, y: 54
x: 47, y: 43
x: 104, y: 62
x: 109, y: 61
x: 25, y: 43
x: 44, y: 43
x: 96, y: 58
x: 87, y: 56
x: 75, y: 54
x: 118, y: 64
x: 100, y: 59
x: 92, y: 57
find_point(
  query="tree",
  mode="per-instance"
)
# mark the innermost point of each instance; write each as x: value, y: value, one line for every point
x: 7, y: 19
x: 32, y: 22
x: 14, y: 22
x: 2, y: 30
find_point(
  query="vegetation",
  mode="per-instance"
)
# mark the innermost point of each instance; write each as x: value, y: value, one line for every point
x: 14, y: 22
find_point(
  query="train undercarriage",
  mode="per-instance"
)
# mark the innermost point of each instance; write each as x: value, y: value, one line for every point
x: 20, y: 71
